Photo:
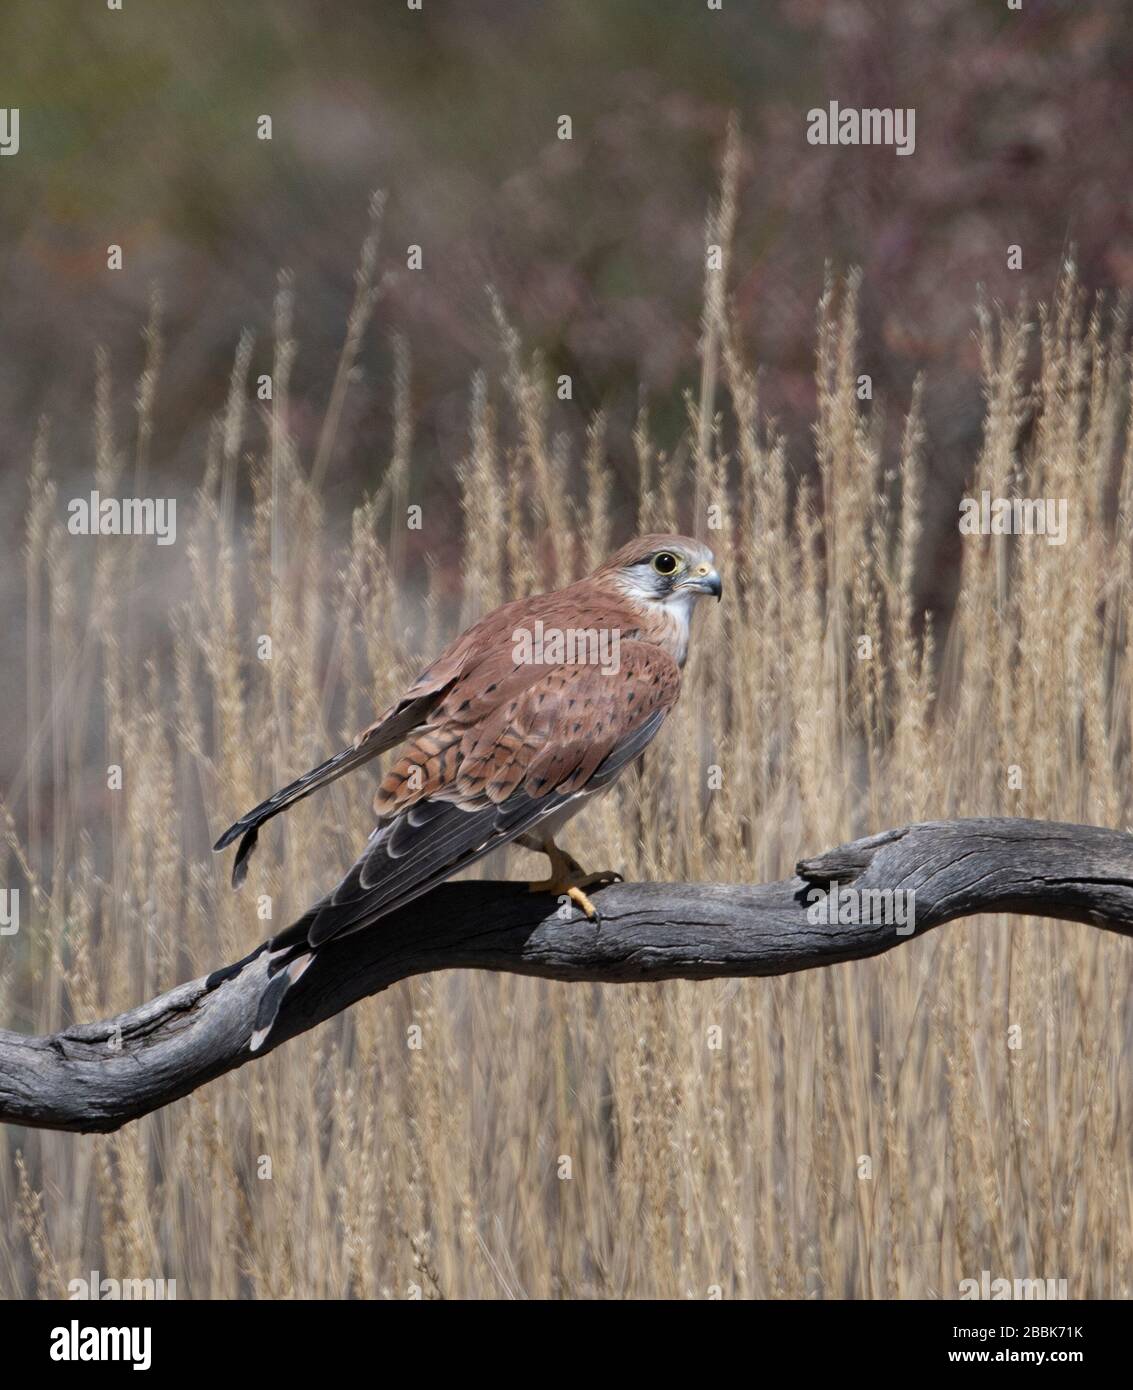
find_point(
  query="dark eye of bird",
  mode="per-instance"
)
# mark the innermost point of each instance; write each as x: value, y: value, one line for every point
x: 664, y: 563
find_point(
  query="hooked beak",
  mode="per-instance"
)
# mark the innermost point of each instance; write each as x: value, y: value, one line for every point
x: 704, y: 580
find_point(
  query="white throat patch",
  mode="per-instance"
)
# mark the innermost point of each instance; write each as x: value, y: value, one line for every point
x: 678, y: 609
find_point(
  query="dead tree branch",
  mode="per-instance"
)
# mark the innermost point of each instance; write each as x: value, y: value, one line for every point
x: 99, y: 1076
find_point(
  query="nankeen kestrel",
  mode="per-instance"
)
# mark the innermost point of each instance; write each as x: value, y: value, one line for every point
x: 538, y: 707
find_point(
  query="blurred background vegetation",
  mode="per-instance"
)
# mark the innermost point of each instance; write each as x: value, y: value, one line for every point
x: 139, y: 128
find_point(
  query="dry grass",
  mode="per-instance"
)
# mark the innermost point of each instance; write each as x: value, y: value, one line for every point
x: 691, y: 1168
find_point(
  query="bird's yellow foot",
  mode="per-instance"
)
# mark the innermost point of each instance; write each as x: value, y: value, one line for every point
x: 579, y: 898
x: 596, y: 880
x: 569, y: 879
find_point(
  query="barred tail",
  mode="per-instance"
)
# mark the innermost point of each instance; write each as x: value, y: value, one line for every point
x: 272, y: 998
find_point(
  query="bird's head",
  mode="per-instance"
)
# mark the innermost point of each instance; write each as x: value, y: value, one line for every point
x: 663, y: 576
x: 669, y: 571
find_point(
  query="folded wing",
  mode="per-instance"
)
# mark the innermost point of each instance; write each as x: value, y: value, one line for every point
x: 568, y: 733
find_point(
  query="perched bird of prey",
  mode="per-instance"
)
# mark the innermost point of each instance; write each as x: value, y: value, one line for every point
x: 536, y: 708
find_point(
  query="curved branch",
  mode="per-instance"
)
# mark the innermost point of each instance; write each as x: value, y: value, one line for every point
x: 99, y: 1076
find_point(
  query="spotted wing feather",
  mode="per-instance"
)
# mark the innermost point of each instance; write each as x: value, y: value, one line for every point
x: 567, y: 734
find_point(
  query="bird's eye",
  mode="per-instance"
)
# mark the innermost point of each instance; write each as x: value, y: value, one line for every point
x: 665, y: 563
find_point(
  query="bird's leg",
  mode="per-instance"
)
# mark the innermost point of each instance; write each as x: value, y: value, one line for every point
x: 567, y: 876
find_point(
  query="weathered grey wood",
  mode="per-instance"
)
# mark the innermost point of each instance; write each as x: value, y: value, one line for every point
x: 99, y: 1076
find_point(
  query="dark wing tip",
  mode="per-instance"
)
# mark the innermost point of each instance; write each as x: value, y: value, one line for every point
x: 229, y: 835
x: 243, y: 854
